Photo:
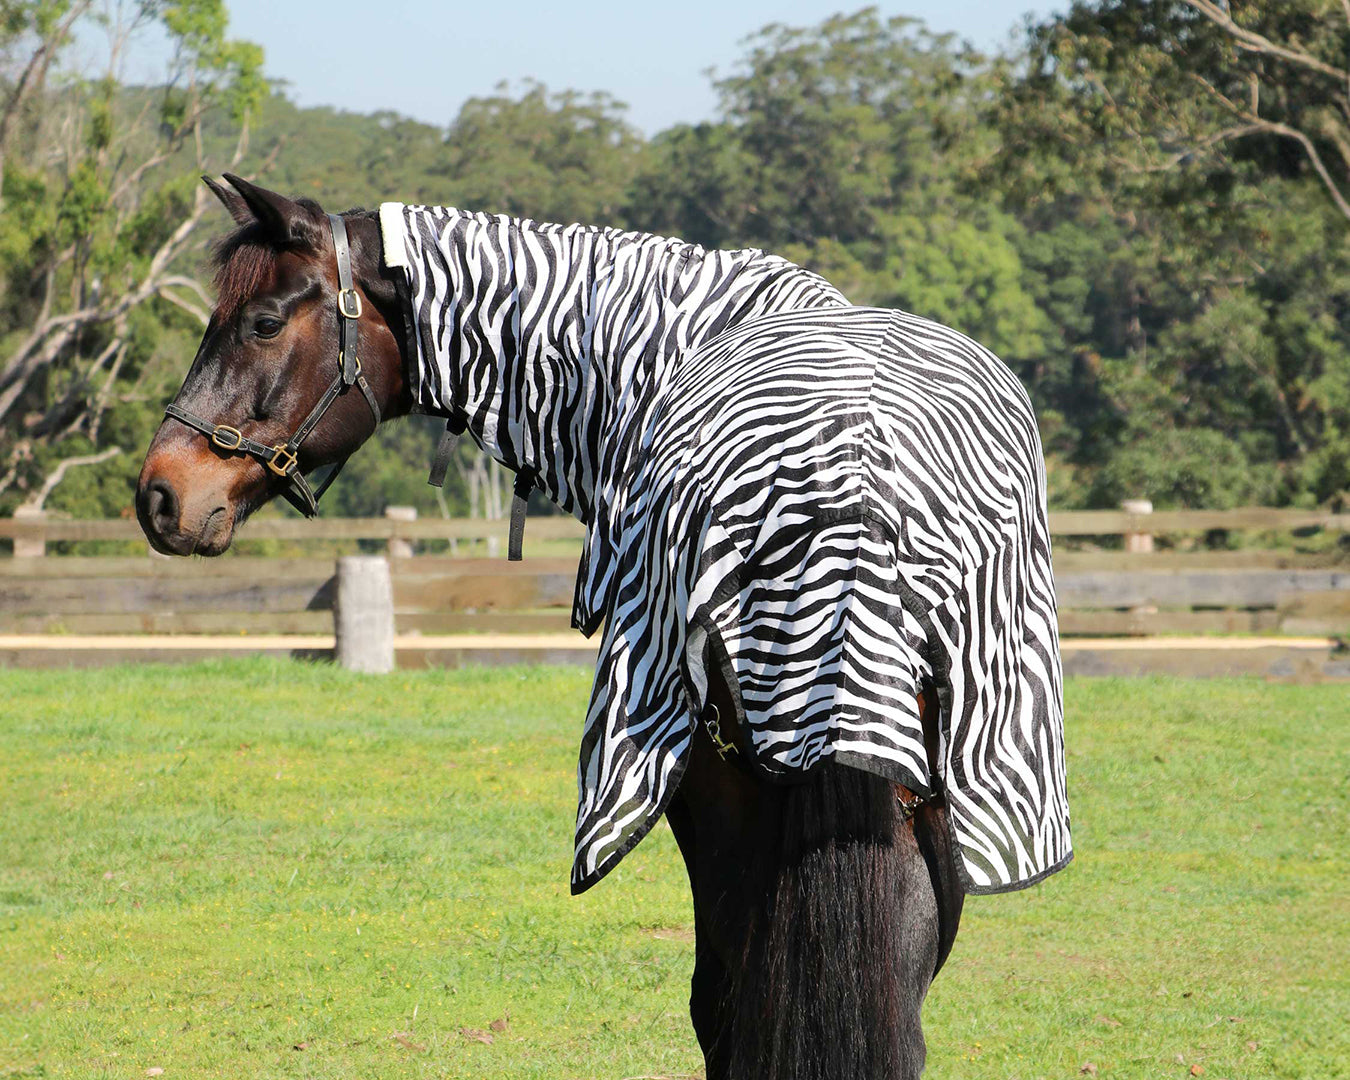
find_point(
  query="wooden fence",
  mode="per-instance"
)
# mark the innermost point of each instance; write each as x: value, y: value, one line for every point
x: 1100, y: 592
x: 41, y: 529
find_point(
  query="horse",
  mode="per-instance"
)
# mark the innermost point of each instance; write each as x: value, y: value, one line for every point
x: 824, y: 902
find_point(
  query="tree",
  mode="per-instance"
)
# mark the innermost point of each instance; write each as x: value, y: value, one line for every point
x: 1178, y: 166
x: 696, y: 182
x: 101, y: 207
x: 552, y: 157
x: 841, y: 147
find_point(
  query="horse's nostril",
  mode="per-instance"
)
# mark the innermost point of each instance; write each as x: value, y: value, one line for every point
x: 159, y: 507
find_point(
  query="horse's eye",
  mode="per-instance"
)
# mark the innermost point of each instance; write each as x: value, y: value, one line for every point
x: 267, y: 327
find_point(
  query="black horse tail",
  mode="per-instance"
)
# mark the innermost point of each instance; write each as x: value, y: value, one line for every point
x: 860, y: 915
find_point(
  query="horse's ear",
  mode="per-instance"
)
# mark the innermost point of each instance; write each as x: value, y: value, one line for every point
x: 287, y: 222
x: 232, y: 201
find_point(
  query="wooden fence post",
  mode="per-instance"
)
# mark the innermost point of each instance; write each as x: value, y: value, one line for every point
x: 32, y: 547
x: 1138, y: 543
x: 400, y: 548
x: 363, y: 614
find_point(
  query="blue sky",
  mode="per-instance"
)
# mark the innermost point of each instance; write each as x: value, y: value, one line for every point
x: 424, y: 59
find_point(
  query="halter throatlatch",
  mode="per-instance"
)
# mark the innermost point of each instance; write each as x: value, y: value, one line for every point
x: 282, y: 458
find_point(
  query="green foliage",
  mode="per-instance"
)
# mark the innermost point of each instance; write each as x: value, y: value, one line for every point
x: 234, y: 68
x: 963, y: 270
x: 841, y: 148
x: 83, y: 204
x: 813, y: 113
x: 554, y: 157
x: 1170, y: 279
x: 391, y: 470
x: 1174, y: 222
x: 96, y: 197
x: 694, y: 181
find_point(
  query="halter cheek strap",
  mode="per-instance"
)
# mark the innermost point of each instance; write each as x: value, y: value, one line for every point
x: 282, y: 458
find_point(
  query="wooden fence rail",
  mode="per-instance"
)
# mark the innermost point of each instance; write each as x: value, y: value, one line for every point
x: 440, y: 595
x: 1132, y: 592
x: 1062, y: 523
x: 540, y: 528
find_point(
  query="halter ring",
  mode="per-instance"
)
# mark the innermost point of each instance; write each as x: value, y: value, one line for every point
x: 281, y: 454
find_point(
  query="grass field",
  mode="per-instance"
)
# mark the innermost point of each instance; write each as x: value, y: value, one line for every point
x: 255, y: 869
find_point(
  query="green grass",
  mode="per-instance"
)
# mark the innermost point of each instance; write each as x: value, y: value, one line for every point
x: 204, y: 868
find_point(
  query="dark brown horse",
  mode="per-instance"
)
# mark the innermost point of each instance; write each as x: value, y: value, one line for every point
x: 822, y: 909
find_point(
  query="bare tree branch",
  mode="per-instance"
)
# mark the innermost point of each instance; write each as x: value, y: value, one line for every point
x: 23, y: 451
x: 1258, y: 124
x: 181, y: 281
x: 1254, y: 42
x: 1173, y: 160
x: 202, y: 315
x: 39, y: 497
x: 105, y: 395
x: 68, y: 414
x: 1222, y: 98
x: 1339, y: 137
x: 52, y: 335
x: 1310, y: 148
x: 34, y: 73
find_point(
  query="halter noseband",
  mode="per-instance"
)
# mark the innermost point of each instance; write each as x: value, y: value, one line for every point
x: 281, y: 458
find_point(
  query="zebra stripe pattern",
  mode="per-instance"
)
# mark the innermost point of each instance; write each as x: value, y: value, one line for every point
x: 828, y: 506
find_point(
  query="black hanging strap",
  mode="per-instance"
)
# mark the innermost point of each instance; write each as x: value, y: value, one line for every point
x: 525, y: 481
x: 445, y: 450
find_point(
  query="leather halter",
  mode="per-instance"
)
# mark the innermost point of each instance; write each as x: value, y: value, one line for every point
x: 281, y: 458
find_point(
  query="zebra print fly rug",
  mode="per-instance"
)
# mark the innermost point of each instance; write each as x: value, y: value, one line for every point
x: 829, y: 505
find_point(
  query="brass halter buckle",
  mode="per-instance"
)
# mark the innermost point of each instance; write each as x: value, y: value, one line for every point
x: 349, y: 303
x: 227, y: 438
x: 714, y: 725
x: 284, y: 457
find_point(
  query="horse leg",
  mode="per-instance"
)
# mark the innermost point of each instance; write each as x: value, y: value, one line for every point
x: 717, y: 817
x: 709, y: 985
x: 933, y: 835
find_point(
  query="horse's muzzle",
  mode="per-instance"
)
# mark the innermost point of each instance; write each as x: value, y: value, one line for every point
x: 186, y: 507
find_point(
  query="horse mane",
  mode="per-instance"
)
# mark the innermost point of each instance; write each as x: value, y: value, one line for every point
x: 242, y: 259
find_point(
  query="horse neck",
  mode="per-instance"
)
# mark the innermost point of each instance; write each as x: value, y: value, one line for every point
x: 517, y: 349
x: 552, y: 342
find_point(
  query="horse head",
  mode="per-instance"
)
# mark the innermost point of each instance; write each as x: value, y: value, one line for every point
x: 279, y: 386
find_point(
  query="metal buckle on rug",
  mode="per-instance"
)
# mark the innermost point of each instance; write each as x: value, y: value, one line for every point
x: 714, y: 725
x: 909, y: 809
